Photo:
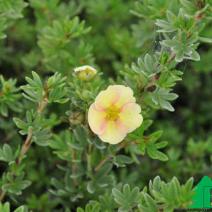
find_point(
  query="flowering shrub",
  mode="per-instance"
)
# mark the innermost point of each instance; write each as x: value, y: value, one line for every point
x: 86, y: 93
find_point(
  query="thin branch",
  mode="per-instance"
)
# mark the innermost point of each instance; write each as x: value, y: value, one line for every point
x: 121, y: 146
x: 25, y: 146
x: 27, y: 143
x: 171, y: 58
x: 102, y: 162
x: 2, y: 196
x: 42, y: 105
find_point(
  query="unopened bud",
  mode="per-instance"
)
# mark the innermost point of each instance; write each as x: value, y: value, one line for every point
x: 85, y: 72
x: 76, y: 118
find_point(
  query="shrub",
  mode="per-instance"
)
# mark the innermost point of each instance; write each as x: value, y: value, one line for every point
x: 58, y: 59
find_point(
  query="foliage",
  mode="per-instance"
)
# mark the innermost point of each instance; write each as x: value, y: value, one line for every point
x: 9, y: 96
x: 161, y: 196
x: 50, y: 159
x: 6, y: 208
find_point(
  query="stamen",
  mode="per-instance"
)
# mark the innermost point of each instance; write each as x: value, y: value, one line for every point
x: 112, y: 113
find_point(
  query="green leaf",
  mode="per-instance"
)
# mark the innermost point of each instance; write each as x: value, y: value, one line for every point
x: 155, y: 136
x: 57, y: 39
x: 150, y: 9
x: 161, y: 98
x: 148, y: 66
x: 182, y: 46
x: 9, y: 11
x: 165, y: 26
x: 107, y: 202
x: 189, y: 184
x: 57, y: 89
x: 20, y: 123
x: 168, y: 78
x: 122, y: 160
x: 92, y: 206
x: 80, y: 134
x: 205, y: 40
x: 21, y: 209
x: 188, y: 5
x: 105, y: 170
x: 194, y: 55
x: 2, y: 28
x: 91, y: 187
x: 33, y: 91
x: 181, y: 22
x: 152, y: 147
x: 147, y: 203
x: 127, y: 198
x: 16, y: 187
x: 171, y: 195
x: 161, y: 144
x: 6, y: 154
x: 155, y: 154
x: 9, y: 97
x: 62, y: 145
x: 5, y: 207
x: 42, y: 137
x: 39, y: 126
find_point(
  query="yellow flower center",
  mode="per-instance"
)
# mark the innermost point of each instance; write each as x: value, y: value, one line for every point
x: 112, y: 113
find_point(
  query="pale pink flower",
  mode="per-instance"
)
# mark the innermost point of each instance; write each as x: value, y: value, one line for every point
x: 114, y: 114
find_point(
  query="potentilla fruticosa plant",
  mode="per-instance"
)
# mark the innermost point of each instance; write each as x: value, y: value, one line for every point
x: 77, y: 107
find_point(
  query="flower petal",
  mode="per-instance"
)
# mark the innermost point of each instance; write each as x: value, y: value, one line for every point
x: 125, y: 93
x: 106, y: 98
x: 113, y: 133
x: 96, y: 119
x: 130, y: 116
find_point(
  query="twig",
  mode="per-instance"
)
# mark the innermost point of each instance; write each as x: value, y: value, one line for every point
x: 2, y: 196
x: 102, y: 162
x: 25, y: 146
x: 24, y: 149
x: 89, y: 168
x: 171, y: 58
x: 74, y: 167
x: 42, y: 105
x: 121, y: 146
x: 27, y: 143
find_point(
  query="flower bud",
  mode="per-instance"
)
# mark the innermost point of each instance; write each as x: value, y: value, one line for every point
x: 76, y: 118
x: 85, y: 72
